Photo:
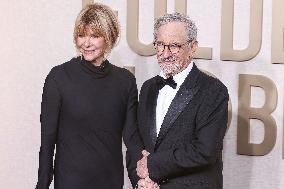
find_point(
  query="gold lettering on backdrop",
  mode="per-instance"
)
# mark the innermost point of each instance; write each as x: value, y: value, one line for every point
x: 181, y: 6
x: 255, y: 31
x: 130, y: 68
x: 132, y: 26
x: 86, y: 2
x: 245, y: 113
x: 277, y: 36
x: 160, y: 8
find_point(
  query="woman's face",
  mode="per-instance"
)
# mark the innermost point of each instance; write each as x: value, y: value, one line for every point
x: 91, y: 46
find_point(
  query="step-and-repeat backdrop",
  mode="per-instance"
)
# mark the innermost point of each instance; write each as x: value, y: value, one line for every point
x: 241, y: 43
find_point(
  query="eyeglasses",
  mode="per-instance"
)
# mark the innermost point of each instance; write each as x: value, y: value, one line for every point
x: 173, y: 47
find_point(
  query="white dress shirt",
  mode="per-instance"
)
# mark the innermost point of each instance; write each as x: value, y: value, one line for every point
x: 167, y: 94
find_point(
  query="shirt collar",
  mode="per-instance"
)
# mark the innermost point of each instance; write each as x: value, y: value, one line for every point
x: 180, y: 77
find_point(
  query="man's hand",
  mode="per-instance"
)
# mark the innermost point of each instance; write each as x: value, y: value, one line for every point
x: 142, y: 170
x: 147, y: 183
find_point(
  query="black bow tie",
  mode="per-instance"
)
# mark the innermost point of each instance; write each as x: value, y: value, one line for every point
x: 161, y: 82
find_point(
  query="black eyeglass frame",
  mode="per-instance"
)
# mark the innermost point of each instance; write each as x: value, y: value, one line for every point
x: 174, y: 48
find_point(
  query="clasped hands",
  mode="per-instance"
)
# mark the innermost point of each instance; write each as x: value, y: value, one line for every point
x: 142, y: 172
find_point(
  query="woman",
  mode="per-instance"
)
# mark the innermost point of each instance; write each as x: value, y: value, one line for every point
x: 88, y: 104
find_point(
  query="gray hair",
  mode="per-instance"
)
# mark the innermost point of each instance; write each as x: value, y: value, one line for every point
x: 177, y: 17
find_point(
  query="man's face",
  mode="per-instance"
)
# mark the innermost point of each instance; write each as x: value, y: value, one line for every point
x: 174, y: 52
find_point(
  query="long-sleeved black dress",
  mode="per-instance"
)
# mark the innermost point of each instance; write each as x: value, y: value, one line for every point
x: 85, y: 112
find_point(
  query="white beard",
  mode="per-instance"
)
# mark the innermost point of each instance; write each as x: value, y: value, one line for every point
x: 172, y: 68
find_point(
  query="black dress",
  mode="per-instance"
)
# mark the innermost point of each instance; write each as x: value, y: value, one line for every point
x: 85, y: 111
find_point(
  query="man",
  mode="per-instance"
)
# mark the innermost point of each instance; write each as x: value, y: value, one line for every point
x: 182, y: 114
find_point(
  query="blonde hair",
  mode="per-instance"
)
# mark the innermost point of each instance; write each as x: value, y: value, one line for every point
x: 102, y: 20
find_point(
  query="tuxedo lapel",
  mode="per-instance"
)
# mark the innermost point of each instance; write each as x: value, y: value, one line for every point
x: 184, y: 95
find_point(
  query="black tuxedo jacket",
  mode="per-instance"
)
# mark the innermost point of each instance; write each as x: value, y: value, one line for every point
x: 188, y: 150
